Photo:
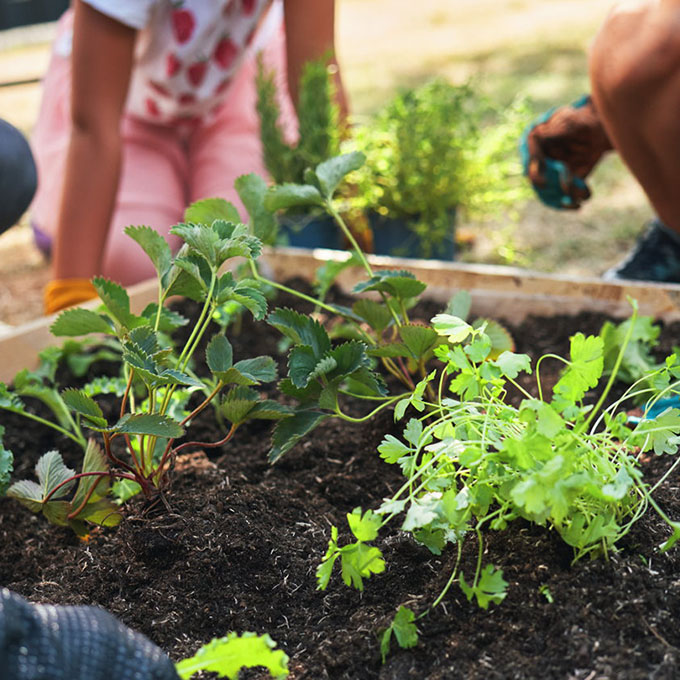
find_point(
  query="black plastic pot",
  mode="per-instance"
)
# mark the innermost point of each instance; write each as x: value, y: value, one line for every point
x: 309, y: 231
x: 396, y: 237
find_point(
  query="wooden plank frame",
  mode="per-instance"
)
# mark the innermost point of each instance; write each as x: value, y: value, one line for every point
x: 505, y: 293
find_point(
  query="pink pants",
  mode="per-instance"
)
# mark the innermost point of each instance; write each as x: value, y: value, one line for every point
x: 164, y: 168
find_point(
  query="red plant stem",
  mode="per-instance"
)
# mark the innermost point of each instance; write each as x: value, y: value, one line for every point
x: 203, y: 404
x: 123, y: 404
x: 113, y: 458
x: 208, y: 445
x: 405, y: 373
x: 86, y: 500
x: 131, y: 451
x: 100, y: 473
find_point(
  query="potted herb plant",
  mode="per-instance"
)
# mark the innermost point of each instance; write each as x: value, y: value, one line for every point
x: 431, y: 152
x: 318, y: 140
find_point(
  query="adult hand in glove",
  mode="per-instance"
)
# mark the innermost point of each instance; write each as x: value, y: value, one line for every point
x: 73, y: 643
x: 559, y: 149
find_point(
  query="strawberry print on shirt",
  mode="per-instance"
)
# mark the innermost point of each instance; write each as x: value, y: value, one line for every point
x: 188, y: 52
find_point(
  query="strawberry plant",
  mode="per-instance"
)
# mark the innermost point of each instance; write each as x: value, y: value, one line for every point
x: 139, y: 444
x: 472, y: 461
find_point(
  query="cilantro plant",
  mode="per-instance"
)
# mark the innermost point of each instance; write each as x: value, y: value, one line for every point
x: 140, y: 442
x: 228, y: 655
x: 473, y: 461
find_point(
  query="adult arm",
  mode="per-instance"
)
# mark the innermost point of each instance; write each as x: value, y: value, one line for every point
x: 103, y: 51
x: 310, y: 34
x: 635, y: 79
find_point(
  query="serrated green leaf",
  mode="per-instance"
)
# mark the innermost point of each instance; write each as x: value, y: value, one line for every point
x: 404, y: 630
x: 200, y: 238
x: 413, y: 431
x: 28, y: 493
x: 491, y: 587
x: 418, y: 339
x: 117, y: 302
x: 238, y: 403
x: 364, y: 526
x: 306, y: 395
x: 301, y: 329
x: 251, y: 190
x: 258, y: 370
x: 511, y: 364
x: 154, y: 245
x: 302, y: 365
x: 169, y: 320
x: 375, y: 314
x: 75, y: 322
x: 391, y: 449
x: 52, y: 472
x: 452, y: 327
x: 288, y: 432
x: 390, y: 350
x: 284, y: 196
x: 360, y: 561
x: 228, y: 655
x: 585, y: 369
x: 400, y: 284
x: 151, y: 424
x: 207, y: 210
x: 268, y: 409
x: 251, y: 298
x: 57, y: 512
x: 219, y: 354
x: 87, y: 407
x: 332, y: 171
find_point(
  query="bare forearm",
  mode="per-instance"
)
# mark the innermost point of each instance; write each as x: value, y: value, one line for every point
x: 90, y: 187
x: 310, y: 34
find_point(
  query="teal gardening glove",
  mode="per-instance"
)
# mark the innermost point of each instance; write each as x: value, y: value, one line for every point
x: 558, y: 151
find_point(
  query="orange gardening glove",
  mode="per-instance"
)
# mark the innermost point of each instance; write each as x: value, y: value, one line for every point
x: 62, y: 293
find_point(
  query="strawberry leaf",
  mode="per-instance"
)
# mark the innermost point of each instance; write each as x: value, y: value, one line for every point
x: 331, y: 172
x: 75, y: 322
x: 288, y: 432
x: 284, y: 196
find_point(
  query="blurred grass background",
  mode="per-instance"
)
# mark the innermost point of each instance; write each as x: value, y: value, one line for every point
x: 531, y: 48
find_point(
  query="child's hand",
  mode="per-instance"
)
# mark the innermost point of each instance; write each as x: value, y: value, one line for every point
x: 560, y: 149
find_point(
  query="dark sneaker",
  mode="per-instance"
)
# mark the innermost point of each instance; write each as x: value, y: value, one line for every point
x: 655, y: 257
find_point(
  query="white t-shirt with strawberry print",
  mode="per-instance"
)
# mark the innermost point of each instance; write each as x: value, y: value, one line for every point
x: 187, y: 53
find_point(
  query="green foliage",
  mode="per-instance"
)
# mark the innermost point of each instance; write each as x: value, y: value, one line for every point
x: 474, y: 461
x: 228, y: 655
x: 6, y: 464
x: 152, y: 415
x: 404, y: 630
x: 53, y: 493
x: 357, y: 559
x: 436, y: 149
x: 319, y: 136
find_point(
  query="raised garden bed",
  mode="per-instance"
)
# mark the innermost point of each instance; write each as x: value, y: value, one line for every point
x: 239, y: 548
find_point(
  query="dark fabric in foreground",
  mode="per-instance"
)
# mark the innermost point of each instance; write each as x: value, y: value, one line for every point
x: 47, y: 642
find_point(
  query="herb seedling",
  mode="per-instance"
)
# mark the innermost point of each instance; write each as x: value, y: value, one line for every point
x: 472, y: 461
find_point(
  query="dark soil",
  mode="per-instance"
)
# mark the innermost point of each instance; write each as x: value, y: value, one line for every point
x: 239, y: 549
